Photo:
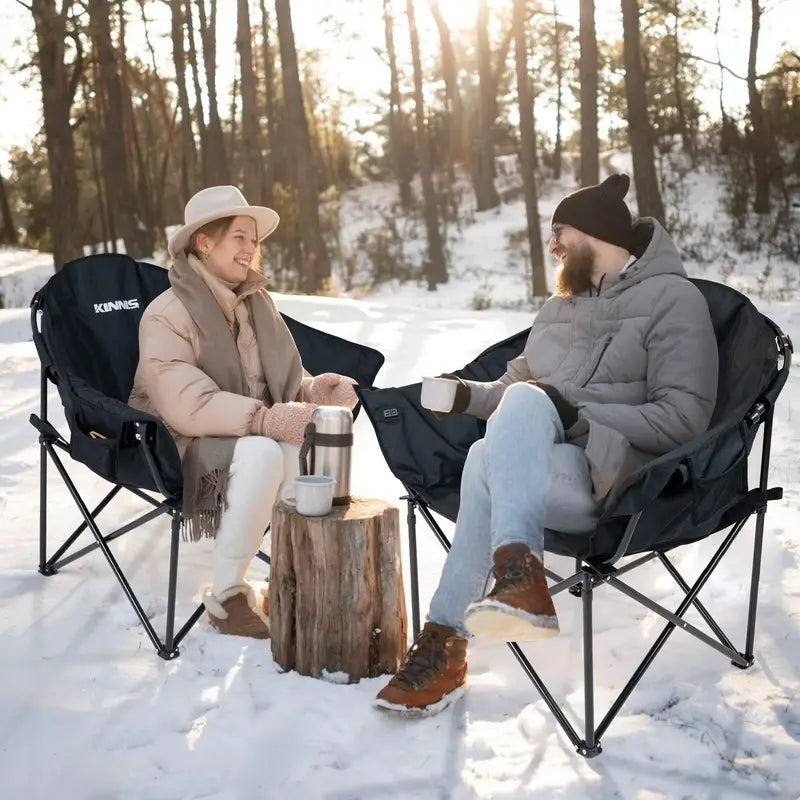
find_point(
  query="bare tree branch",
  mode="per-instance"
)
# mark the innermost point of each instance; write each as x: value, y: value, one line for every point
x: 25, y: 5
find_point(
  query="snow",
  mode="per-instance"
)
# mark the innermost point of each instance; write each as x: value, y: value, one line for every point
x: 89, y: 711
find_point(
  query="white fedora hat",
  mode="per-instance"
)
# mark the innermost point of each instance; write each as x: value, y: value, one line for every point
x: 217, y: 202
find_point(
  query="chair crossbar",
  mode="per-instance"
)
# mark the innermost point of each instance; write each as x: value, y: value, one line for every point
x: 166, y: 648
x: 701, y: 609
x: 582, y: 583
x: 53, y: 563
x: 54, y: 559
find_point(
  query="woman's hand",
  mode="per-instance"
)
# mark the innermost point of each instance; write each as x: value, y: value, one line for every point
x: 283, y: 422
x: 330, y: 389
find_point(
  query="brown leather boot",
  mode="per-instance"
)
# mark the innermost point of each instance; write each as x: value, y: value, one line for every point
x: 241, y: 614
x: 519, y: 607
x: 432, y: 676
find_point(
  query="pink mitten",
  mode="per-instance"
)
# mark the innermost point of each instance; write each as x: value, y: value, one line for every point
x: 330, y: 389
x: 283, y: 422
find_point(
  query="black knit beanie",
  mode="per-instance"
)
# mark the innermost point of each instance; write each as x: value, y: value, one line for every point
x: 599, y: 211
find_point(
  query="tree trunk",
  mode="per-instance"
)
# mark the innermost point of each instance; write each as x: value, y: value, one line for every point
x: 527, y: 152
x: 273, y: 150
x: 680, y: 110
x: 758, y: 139
x: 436, y: 266
x: 8, y: 233
x: 135, y: 160
x: 559, y: 65
x: 191, y: 53
x: 167, y: 120
x: 590, y: 149
x: 251, y: 135
x: 317, y: 263
x: 336, y: 603
x: 458, y: 144
x: 214, y: 152
x: 483, y: 158
x: 115, y: 158
x: 398, y: 143
x: 189, y: 150
x: 644, y: 168
x: 58, y: 90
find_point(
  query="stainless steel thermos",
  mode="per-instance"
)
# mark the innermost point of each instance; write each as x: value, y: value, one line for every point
x: 327, y: 448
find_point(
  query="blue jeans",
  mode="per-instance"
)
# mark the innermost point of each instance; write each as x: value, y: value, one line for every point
x: 504, y: 493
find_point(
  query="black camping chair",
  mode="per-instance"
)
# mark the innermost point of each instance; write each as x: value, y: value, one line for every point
x: 681, y: 497
x: 85, y: 324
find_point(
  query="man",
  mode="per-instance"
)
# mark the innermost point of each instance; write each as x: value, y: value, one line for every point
x: 620, y: 367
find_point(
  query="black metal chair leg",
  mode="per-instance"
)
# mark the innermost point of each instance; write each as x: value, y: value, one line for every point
x: 169, y: 651
x: 589, y: 747
x: 44, y: 567
x: 413, y: 568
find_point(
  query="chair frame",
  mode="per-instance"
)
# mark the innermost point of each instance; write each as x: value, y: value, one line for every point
x: 50, y: 440
x: 593, y: 572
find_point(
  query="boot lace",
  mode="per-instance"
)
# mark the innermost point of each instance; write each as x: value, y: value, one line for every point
x: 426, y: 658
x: 516, y: 575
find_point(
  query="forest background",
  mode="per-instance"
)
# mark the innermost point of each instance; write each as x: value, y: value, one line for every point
x: 116, y: 111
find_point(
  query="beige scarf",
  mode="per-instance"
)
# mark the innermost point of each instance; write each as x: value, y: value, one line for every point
x: 207, y: 461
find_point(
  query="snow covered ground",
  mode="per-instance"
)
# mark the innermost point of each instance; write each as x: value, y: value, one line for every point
x: 88, y: 711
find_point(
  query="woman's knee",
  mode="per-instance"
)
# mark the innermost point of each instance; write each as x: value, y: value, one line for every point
x: 258, y: 453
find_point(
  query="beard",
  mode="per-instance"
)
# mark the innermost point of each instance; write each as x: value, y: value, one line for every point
x: 575, y: 275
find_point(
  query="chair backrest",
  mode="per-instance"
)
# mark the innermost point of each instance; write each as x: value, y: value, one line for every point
x: 748, y: 352
x: 428, y: 458
x: 90, y: 324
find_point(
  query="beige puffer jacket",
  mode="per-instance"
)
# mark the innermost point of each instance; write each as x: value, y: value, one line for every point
x: 168, y: 383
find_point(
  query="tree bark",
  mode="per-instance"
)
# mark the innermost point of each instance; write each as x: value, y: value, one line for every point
x: 527, y: 152
x: 273, y: 149
x: 8, y: 233
x: 559, y: 65
x: 483, y: 157
x: 188, y: 147
x: 317, y: 268
x: 590, y: 148
x: 167, y: 120
x: 436, y: 266
x: 116, y: 161
x: 680, y: 109
x: 251, y: 135
x: 648, y: 195
x: 398, y: 143
x: 135, y: 157
x: 191, y: 53
x: 216, y: 159
x: 58, y: 84
x: 336, y: 601
x: 458, y: 144
x: 759, y: 147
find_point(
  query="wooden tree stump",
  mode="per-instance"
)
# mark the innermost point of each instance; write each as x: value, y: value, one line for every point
x: 336, y: 600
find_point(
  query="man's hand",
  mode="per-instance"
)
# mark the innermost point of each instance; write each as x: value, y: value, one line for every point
x: 567, y: 413
x: 461, y: 400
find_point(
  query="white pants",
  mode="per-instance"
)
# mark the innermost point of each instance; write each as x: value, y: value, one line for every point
x: 259, y: 469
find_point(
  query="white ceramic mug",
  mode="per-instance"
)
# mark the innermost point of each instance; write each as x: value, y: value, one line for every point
x: 438, y: 394
x: 311, y: 495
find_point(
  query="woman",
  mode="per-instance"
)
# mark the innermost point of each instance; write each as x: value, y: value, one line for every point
x: 218, y: 366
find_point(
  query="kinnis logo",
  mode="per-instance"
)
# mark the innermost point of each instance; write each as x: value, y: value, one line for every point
x: 116, y: 305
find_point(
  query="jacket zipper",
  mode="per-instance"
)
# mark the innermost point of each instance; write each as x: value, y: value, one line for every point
x: 599, y: 359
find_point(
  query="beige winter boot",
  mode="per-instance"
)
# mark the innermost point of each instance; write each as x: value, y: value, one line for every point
x: 239, y: 612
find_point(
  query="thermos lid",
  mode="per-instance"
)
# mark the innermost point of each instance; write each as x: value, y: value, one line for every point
x: 332, y: 419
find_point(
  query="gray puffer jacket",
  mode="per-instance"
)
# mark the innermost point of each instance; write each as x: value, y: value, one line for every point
x: 639, y: 360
